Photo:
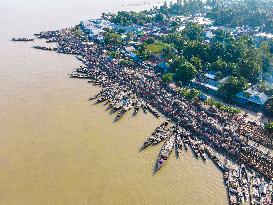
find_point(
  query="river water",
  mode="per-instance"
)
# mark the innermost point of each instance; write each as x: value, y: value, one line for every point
x: 57, y: 148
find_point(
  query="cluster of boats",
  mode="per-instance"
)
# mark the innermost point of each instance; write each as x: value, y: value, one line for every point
x: 121, y: 99
x: 245, y: 186
x: 237, y: 183
x: 259, y: 160
x: 49, y: 35
x: 176, y: 138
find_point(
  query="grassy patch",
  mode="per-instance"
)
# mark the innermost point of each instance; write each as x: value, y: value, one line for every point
x: 155, y: 48
x: 223, y: 107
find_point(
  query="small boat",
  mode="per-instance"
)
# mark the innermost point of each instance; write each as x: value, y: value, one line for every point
x: 226, y: 177
x: 144, y: 107
x: 152, y: 110
x: 178, y: 145
x: 153, y: 139
x: 51, y: 41
x: 118, y: 106
x: 185, y: 141
x: 165, y: 151
x: 194, y: 148
x: 111, y: 105
x: 22, y: 39
x: 95, y: 96
x: 81, y: 59
x: 137, y: 108
x: 102, y: 99
x: 108, y: 101
x: 45, y: 48
x: 159, y: 137
x: 120, y: 114
x: 203, y: 156
x: 201, y: 149
x: 82, y: 76
x: 214, y: 159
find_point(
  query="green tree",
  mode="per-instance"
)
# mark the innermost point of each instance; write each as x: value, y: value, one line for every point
x: 232, y: 86
x: 194, y: 31
x: 174, y: 24
x: 160, y: 17
x: 268, y: 110
x: 220, y: 65
x: 112, y: 38
x: 249, y: 69
x: 184, y: 71
x: 150, y: 40
x: 267, y: 57
x: 167, y: 77
x: 196, y: 62
x: 177, y: 39
x: 168, y: 52
x: 269, y: 127
x: 221, y: 35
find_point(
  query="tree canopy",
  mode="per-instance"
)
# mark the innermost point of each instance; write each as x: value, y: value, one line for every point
x: 269, y: 108
x: 253, y: 13
x: 232, y: 86
x: 167, y: 77
x: 269, y: 127
x: 184, y: 71
x: 112, y: 38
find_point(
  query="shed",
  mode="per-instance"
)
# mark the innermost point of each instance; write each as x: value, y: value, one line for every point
x: 251, y: 96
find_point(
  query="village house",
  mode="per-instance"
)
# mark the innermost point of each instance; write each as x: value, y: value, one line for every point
x: 96, y: 27
x: 252, y: 99
x: 208, y: 82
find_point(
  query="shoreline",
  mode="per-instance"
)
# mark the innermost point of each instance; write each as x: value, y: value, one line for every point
x: 121, y: 83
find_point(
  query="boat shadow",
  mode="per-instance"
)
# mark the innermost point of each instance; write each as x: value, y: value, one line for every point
x: 155, y: 168
x: 176, y: 154
x: 111, y: 111
x: 140, y: 149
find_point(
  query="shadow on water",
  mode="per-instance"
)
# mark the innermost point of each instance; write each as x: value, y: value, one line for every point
x: 112, y: 111
x: 141, y: 149
x: 155, y: 169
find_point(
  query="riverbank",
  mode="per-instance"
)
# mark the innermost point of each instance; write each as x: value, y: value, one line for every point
x: 215, y: 128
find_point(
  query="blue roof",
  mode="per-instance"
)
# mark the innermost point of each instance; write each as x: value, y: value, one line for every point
x: 253, y: 96
x: 213, y: 83
x: 133, y: 55
x: 259, y: 99
x: 211, y: 74
x: 241, y: 95
x: 204, y: 96
x: 164, y: 66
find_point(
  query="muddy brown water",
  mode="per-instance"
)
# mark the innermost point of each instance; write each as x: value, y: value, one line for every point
x: 57, y: 148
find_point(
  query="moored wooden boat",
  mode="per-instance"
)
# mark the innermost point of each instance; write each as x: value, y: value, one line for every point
x: 194, y: 147
x: 165, y: 151
x: 155, y: 139
x: 178, y: 145
x: 22, y: 39
x: 120, y: 114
